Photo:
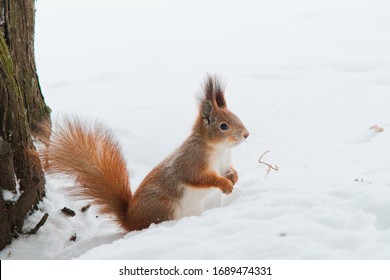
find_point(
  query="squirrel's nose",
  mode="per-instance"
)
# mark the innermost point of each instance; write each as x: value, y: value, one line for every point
x: 246, y: 134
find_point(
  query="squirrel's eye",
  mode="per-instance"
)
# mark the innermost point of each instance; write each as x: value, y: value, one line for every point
x: 223, y: 126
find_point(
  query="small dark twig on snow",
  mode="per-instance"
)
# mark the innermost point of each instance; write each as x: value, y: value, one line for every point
x: 68, y: 212
x: 39, y: 225
x: 85, y: 208
x: 73, y: 237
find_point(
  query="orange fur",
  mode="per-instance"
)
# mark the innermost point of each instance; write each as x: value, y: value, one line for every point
x: 92, y: 156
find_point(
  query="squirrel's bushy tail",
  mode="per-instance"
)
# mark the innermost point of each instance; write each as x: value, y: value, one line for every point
x: 91, y: 155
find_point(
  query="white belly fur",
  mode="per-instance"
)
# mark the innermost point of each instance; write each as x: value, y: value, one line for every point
x: 220, y: 160
x: 191, y: 204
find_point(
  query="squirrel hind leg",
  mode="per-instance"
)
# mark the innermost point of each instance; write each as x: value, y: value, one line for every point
x: 144, y: 210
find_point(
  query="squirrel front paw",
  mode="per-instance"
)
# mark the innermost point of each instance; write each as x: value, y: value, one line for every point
x: 227, y: 188
x: 232, y: 175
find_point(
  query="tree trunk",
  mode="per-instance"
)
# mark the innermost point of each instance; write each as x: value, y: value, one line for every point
x: 22, y: 110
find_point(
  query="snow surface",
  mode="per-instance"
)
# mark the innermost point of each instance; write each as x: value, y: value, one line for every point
x: 307, y: 78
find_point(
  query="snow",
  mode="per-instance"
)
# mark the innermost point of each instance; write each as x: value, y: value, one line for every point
x: 307, y: 78
x: 12, y: 195
x: 9, y: 196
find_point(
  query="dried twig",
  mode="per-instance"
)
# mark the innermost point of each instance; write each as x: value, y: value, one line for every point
x: 39, y: 225
x: 85, y: 208
x: 377, y: 128
x: 73, y: 237
x: 68, y: 212
x: 269, y: 166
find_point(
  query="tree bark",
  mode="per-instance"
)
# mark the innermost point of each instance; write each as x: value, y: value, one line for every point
x: 22, y: 110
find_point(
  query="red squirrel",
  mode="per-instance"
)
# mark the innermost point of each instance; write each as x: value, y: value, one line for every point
x: 175, y: 188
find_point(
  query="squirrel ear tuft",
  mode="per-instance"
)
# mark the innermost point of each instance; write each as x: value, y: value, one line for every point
x: 220, y: 98
x: 219, y: 88
x: 208, y: 89
x: 213, y: 90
